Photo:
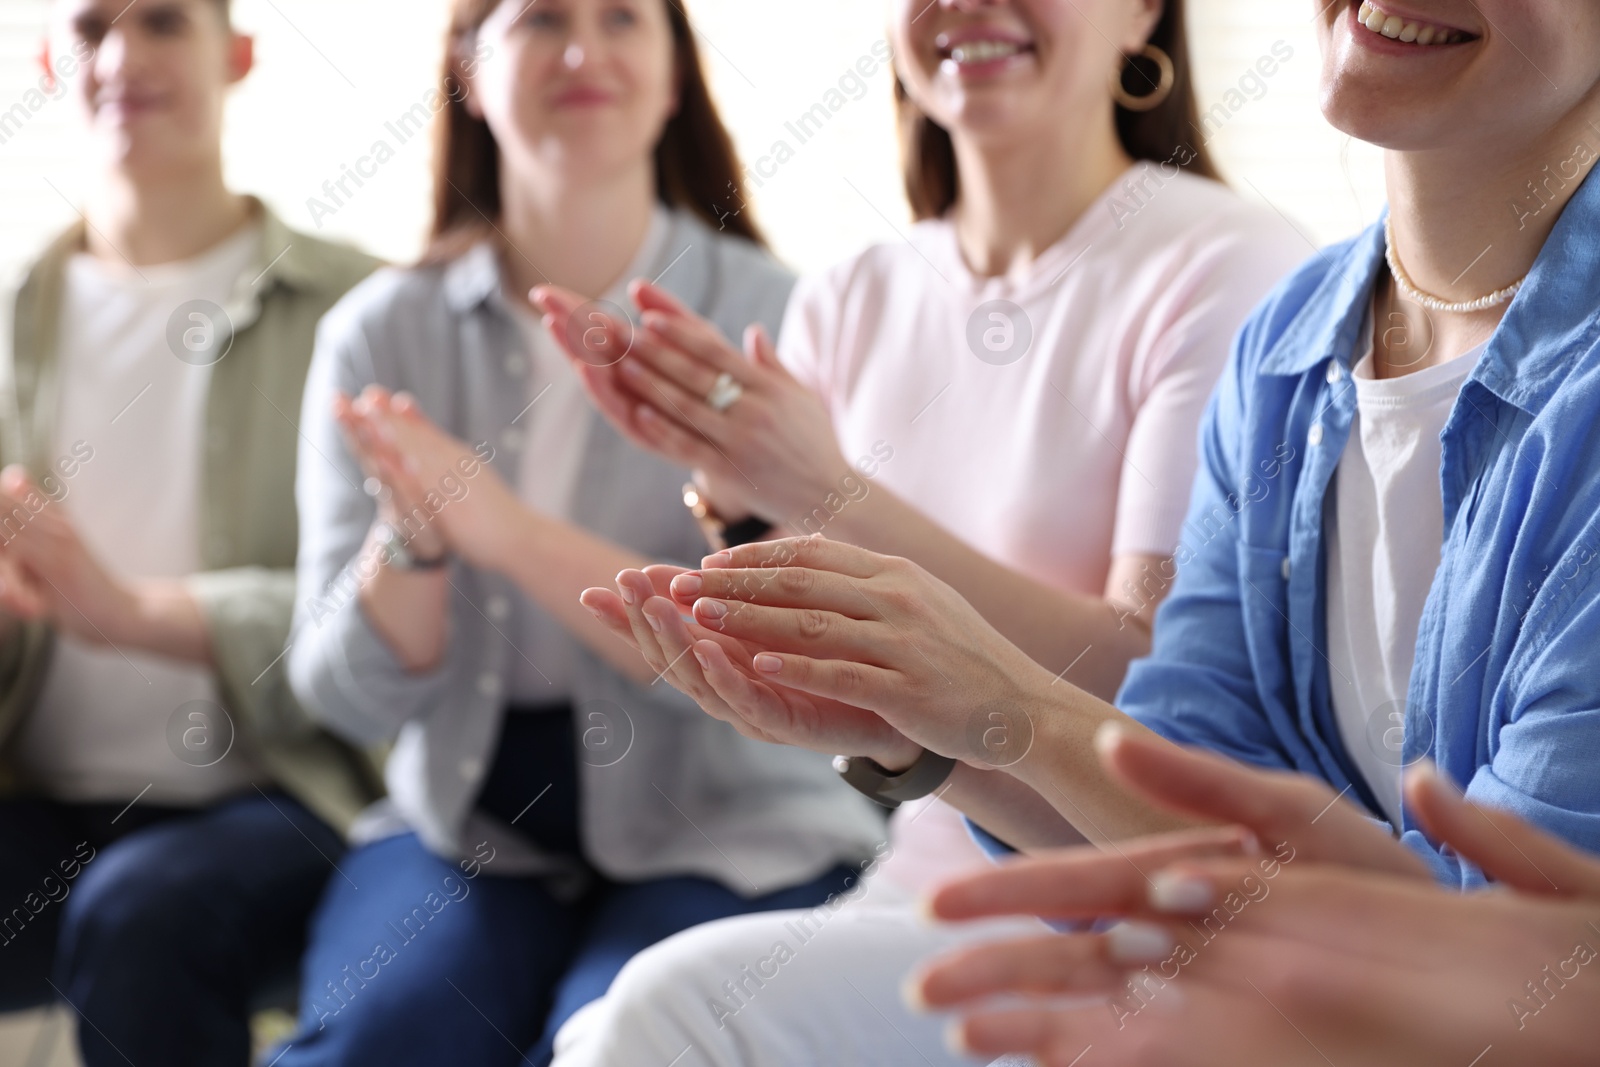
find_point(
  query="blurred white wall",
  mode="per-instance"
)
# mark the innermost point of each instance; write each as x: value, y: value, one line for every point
x: 333, y: 72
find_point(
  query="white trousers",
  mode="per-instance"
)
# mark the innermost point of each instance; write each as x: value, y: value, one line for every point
x: 781, y: 989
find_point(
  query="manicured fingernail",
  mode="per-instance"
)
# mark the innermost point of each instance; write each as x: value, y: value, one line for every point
x: 703, y: 659
x: 720, y: 559
x: 628, y: 595
x: 1136, y: 943
x: 711, y: 609
x: 687, y: 585
x: 911, y: 996
x: 1106, y: 738
x: 767, y: 663
x: 1180, y: 894
x: 655, y: 623
x: 955, y: 1039
x: 596, y: 613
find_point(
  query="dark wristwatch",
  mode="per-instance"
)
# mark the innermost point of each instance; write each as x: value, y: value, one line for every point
x: 400, y: 554
x: 720, y: 534
x: 891, y: 790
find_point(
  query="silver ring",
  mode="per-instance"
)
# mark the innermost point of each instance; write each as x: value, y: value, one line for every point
x: 725, y: 392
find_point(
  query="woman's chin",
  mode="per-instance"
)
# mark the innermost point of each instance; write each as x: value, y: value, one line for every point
x: 1370, y: 116
x: 989, y: 121
x: 587, y: 148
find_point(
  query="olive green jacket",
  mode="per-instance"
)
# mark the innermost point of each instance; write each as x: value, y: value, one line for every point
x: 248, y: 534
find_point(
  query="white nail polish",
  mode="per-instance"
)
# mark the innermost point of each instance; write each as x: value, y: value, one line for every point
x: 911, y: 996
x: 955, y: 1039
x: 1139, y: 943
x: 1179, y: 894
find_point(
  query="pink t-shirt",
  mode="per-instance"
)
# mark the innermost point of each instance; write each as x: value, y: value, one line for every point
x: 1049, y: 418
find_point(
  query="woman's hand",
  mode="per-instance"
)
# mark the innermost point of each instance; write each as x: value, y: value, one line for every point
x: 873, y: 632
x: 1369, y: 967
x: 1293, y: 818
x: 772, y: 452
x: 715, y: 670
x: 442, y: 494
x: 1300, y: 968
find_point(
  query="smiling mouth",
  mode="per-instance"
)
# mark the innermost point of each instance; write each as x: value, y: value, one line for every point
x: 1408, y: 31
x: 990, y: 50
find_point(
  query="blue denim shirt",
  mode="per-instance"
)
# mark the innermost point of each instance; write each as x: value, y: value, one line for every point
x: 1505, y: 693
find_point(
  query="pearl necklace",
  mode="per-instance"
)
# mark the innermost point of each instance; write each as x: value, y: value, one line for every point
x: 1433, y: 303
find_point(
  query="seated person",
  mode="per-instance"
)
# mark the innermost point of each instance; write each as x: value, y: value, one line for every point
x: 170, y: 814
x: 554, y: 810
x: 1093, y: 330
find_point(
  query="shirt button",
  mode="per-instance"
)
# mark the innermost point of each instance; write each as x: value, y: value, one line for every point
x: 1315, y: 436
x: 489, y: 684
x: 499, y: 607
x: 1335, y: 373
x: 470, y: 769
x: 1286, y: 568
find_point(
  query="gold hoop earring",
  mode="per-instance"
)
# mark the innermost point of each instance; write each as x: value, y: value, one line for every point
x: 1154, y: 99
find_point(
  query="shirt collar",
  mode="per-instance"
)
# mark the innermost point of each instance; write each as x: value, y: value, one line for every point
x: 1548, y: 326
x: 1552, y: 322
x: 472, y: 278
x: 288, y: 258
x: 475, y: 278
x: 1314, y: 335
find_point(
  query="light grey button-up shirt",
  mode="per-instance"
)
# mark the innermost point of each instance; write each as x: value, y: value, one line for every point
x: 666, y: 789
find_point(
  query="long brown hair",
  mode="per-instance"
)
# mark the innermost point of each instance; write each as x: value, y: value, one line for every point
x: 695, y: 162
x: 928, y: 157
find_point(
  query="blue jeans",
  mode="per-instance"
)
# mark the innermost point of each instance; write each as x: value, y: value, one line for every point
x: 423, y: 965
x: 157, y: 925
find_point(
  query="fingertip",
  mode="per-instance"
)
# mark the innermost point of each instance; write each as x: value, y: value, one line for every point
x: 717, y: 561
x: 1179, y: 892
x: 1108, y: 740
x: 686, y: 587
x: 955, y: 1039
x: 767, y: 663
x: 625, y: 586
x: 1426, y: 777
x: 914, y: 996
x: 1138, y: 943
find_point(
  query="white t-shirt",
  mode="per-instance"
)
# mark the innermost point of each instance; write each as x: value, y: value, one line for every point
x: 1385, y: 534
x: 100, y: 729
x: 1048, y: 418
x: 552, y: 434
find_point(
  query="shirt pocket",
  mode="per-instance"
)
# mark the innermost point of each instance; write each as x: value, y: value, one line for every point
x: 1264, y: 614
